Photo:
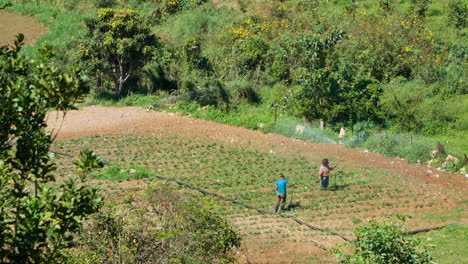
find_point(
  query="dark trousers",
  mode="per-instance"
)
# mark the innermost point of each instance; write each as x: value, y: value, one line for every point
x: 280, y: 203
x: 324, y: 181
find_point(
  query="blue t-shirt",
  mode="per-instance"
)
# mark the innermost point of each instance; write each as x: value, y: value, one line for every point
x: 281, y: 184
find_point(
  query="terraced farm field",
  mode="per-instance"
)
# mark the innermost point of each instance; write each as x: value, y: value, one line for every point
x: 244, y: 165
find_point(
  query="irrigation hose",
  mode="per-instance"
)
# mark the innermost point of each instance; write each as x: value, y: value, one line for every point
x: 222, y: 197
x: 256, y: 209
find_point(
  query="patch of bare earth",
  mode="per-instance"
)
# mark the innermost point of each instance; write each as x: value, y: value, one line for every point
x: 219, y: 3
x: 11, y: 24
x: 272, y: 239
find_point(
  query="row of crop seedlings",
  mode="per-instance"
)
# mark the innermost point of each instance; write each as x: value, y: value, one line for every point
x: 235, y: 168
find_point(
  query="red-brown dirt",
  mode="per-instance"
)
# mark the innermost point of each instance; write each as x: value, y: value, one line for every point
x: 97, y: 120
x: 11, y: 24
x: 302, y: 244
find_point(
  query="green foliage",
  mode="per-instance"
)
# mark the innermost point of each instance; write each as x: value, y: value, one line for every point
x: 337, y: 73
x: 210, y: 92
x: 39, y: 217
x: 187, y: 231
x: 129, y: 100
x: 105, y: 3
x: 457, y: 14
x: 400, y: 102
x: 244, y: 115
x: 410, y: 147
x: 242, y: 91
x: 392, y: 63
x: 170, y: 7
x: 363, y: 129
x: 87, y: 162
x: 277, y: 98
x: 116, y: 173
x: 117, y: 45
x: 249, y: 53
x: 193, y: 55
x: 384, y: 243
x: 199, y: 22
x: 5, y: 3
x: 411, y: 106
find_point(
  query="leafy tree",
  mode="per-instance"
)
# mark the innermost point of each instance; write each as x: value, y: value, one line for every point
x: 384, y: 243
x: 118, y: 44
x: 318, y: 86
x: 38, y: 217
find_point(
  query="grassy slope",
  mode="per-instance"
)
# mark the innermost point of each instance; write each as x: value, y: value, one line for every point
x: 209, y: 25
x: 448, y: 245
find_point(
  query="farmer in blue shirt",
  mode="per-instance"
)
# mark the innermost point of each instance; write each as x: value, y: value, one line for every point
x: 281, y: 186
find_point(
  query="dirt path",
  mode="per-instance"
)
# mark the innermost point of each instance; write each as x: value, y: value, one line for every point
x: 11, y: 24
x: 97, y: 120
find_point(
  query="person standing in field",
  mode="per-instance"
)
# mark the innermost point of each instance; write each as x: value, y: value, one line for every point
x: 281, y: 185
x: 324, y: 174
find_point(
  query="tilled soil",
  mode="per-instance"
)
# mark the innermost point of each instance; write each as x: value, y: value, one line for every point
x: 260, y: 246
x: 97, y: 120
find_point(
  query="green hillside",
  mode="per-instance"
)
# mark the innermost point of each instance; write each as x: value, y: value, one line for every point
x: 393, y: 65
x: 390, y: 72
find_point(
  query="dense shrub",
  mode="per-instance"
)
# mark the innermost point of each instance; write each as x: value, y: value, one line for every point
x: 412, y: 148
x: 384, y: 243
x: 166, y: 228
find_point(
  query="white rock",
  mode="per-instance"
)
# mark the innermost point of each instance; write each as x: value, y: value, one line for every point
x: 450, y: 158
x: 300, y: 129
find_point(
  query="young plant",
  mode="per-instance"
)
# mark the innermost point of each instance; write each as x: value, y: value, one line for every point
x: 384, y: 243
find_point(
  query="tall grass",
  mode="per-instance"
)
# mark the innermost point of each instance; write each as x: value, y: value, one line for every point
x: 206, y: 20
x: 129, y: 100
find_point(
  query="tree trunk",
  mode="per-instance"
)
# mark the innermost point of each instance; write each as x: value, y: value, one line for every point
x: 120, y: 85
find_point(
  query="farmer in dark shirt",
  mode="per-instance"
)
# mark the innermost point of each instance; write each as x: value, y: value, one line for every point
x: 281, y: 186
